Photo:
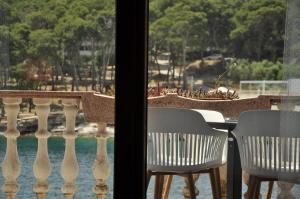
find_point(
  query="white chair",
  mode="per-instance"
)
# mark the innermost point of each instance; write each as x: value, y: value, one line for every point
x: 180, y: 142
x: 269, y: 143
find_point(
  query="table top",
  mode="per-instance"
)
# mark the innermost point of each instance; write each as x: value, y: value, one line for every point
x: 227, y: 125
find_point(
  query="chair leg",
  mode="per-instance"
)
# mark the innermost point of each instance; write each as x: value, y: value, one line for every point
x: 156, y: 186
x: 218, y: 183
x: 270, y: 189
x: 191, y: 186
x: 167, y: 187
x: 213, y: 183
x: 251, y: 187
x: 257, y: 188
x: 159, y: 182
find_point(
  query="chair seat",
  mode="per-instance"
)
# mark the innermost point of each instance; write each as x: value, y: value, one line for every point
x: 184, y: 167
x: 274, y: 169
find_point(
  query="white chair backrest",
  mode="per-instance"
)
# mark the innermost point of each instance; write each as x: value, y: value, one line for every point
x: 269, y: 123
x: 181, y: 137
x: 173, y: 120
x: 211, y: 116
x: 269, y: 143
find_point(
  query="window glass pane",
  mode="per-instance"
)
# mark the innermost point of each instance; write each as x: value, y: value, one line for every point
x: 227, y: 56
x: 289, y: 136
x: 210, y: 44
x: 57, y: 45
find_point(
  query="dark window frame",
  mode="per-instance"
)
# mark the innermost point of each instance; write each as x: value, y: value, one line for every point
x: 131, y: 99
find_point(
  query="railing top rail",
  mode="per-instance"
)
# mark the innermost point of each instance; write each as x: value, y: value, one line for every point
x: 96, y: 107
x: 101, y: 108
x: 264, y: 81
x: 44, y: 94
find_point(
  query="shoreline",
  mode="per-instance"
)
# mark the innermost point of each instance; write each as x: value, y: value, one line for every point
x: 53, y: 135
x: 60, y: 134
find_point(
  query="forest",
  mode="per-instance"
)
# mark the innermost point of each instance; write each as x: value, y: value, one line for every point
x: 69, y: 44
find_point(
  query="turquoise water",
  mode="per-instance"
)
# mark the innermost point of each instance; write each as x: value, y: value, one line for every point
x: 86, y: 152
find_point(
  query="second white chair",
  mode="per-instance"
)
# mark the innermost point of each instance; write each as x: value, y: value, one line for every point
x: 180, y: 142
x: 269, y: 145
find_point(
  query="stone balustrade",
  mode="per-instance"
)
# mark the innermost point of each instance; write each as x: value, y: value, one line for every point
x: 92, y: 104
x: 96, y: 108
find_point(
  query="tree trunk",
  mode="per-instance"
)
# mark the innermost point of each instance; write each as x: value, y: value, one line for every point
x: 93, y: 71
x: 110, y: 49
x: 5, y: 76
x: 214, y: 36
x: 62, y: 77
x: 101, y: 68
x: 61, y: 66
x: 104, y: 68
x: 2, y: 77
x: 99, y: 76
x: 182, y: 67
x: 76, y: 77
x: 168, y: 76
x: 52, y: 78
x: 157, y: 64
x: 56, y: 73
x: 173, y: 63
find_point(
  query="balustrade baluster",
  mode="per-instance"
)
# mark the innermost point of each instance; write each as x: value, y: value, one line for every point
x: 42, y: 167
x: 186, y: 191
x: 285, y: 190
x: 11, y: 165
x: 101, y: 169
x: 69, y: 168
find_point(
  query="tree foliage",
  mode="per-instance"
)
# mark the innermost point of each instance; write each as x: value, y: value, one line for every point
x: 52, y: 33
x: 248, y: 30
x: 251, y: 29
x: 259, y: 30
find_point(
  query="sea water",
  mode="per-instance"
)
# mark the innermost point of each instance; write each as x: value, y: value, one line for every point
x: 86, y: 152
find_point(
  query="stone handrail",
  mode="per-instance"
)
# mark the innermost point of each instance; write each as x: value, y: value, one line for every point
x: 229, y: 108
x: 96, y: 108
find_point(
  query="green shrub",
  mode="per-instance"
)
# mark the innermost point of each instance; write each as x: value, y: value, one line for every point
x: 243, y: 69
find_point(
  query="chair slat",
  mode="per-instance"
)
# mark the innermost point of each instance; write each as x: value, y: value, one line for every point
x: 290, y: 146
x: 195, y: 149
x: 186, y: 147
x: 295, y: 154
x: 279, y: 153
x: 191, y: 149
x: 270, y: 153
x: 199, y: 149
x: 265, y: 147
